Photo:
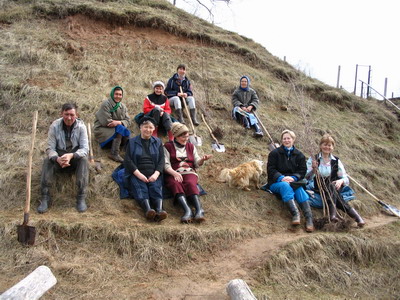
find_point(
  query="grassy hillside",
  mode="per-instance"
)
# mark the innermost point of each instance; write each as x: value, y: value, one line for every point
x: 54, y: 51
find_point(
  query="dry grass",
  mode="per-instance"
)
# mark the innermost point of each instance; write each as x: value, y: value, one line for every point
x: 52, y: 52
x: 357, y: 265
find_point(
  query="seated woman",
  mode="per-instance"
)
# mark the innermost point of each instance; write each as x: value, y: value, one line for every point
x: 111, y: 124
x: 245, y: 101
x: 286, y: 166
x: 181, y: 161
x: 156, y: 105
x: 332, y: 180
x: 144, y: 163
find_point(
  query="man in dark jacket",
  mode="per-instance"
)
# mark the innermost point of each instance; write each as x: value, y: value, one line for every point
x: 67, y: 150
x: 179, y: 87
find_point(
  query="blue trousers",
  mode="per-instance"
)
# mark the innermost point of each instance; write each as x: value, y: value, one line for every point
x: 141, y: 190
x: 287, y: 193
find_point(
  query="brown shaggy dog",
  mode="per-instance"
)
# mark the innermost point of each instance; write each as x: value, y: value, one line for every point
x: 243, y: 175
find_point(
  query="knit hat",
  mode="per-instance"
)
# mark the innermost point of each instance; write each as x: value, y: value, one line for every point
x: 149, y: 119
x: 158, y: 83
x: 178, y: 129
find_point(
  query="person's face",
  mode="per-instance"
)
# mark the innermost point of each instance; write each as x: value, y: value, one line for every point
x: 326, y: 148
x: 146, y: 130
x: 181, y: 72
x: 117, y: 95
x: 287, y: 140
x: 158, y: 90
x: 183, y: 138
x: 243, y: 83
x: 69, y: 116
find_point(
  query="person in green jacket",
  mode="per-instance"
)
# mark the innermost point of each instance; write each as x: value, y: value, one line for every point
x: 112, y: 122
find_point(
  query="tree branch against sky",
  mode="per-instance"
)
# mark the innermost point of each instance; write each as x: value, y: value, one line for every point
x: 207, y: 5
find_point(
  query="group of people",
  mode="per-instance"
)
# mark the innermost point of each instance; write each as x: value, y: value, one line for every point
x: 289, y: 173
x: 151, y: 166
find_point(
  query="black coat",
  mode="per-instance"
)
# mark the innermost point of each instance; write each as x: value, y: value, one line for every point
x: 279, y: 164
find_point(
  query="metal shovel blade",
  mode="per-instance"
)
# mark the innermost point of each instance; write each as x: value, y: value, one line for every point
x: 195, y: 140
x: 390, y: 209
x: 26, y: 234
x: 218, y: 147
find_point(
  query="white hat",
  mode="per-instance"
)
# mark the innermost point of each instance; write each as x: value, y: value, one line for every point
x: 158, y: 83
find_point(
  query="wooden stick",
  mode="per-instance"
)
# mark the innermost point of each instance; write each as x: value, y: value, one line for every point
x: 91, y: 157
x: 369, y: 193
x: 29, y: 169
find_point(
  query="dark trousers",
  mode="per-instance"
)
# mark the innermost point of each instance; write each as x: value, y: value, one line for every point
x: 141, y: 190
x: 164, y: 121
x: 79, y: 165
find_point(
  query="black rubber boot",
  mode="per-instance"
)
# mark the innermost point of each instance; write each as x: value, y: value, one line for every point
x: 332, y: 211
x: 160, y: 213
x: 149, y: 212
x: 199, y: 214
x: 291, y: 204
x: 354, y: 214
x: 193, y: 115
x: 179, y: 115
x: 257, y: 131
x: 81, y: 203
x: 188, y: 215
x: 114, y: 155
x: 44, y: 204
x: 305, y: 207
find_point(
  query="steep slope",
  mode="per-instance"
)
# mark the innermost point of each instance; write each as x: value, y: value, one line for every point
x: 57, y: 51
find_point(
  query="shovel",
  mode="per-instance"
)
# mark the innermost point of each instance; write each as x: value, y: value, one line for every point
x: 273, y: 145
x: 96, y: 164
x: 193, y: 138
x: 215, y: 145
x: 390, y: 209
x: 26, y: 234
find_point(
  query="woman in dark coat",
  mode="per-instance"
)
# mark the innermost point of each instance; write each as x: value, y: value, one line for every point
x: 181, y: 161
x: 286, y: 167
x: 144, y: 164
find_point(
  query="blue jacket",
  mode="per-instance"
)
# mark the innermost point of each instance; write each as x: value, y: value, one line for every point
x: 172, y: 88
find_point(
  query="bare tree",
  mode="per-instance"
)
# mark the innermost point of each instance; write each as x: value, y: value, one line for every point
x: 208, y: 5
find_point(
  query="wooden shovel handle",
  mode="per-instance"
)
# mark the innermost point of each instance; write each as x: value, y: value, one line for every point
x: 187, y: 111
x: 29, y: 169
x: 209, y: 129
x: 89, y: 130
x: 263, y: 127
x: 369, y: 193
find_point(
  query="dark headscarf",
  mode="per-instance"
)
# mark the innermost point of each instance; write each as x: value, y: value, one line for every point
x: 248, y: 83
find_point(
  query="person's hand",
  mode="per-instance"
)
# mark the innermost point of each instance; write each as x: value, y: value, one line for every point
x: 204, y: 158
x: 338, y: 183
x: 161, y: 113
x: 64, y: 160
x: 288, y: 179
x: 140, y: 176
x: 114, y: 123
x: 314, y: 165
x: 154, y: 177
x: 250, y: 108
x: 177, y: 176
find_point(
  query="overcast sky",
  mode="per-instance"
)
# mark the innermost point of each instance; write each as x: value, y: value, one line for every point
x: 317, y: 36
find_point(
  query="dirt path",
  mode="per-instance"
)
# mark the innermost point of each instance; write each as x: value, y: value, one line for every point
x: 207, y: 279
